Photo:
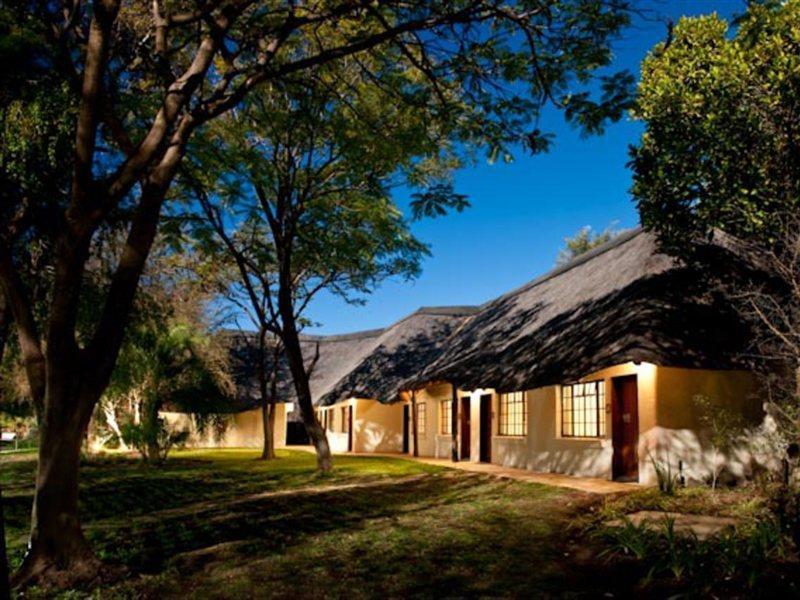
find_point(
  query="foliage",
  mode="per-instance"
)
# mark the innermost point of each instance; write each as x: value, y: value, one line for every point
x: 721, y: 115
x: 154, y: 439
x: 719, y: 155
x: 745, y: 555
x: 170, y: 356
x: 667, y: 480
x: 722, y: 426
x: 583, y: 241
x: 147, y: 78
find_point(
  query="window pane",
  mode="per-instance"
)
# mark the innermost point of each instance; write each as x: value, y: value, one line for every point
x: 583, y: 410
x: 513, y: 414
x: 446, y: 417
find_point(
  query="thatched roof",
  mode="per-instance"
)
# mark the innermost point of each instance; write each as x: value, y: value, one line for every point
x: 338, y: 355
x: 623, y: 301
x: 402, y: 351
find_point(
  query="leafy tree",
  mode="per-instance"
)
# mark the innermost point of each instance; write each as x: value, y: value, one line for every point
x: 307, y: 192
x: 719, y: 158
x: 169, y: 356
x: 146, y: 78
x: 722, y: 115
x: 582, y: 242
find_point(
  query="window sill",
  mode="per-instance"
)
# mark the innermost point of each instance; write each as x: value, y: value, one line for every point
x: 510, y: 437
x: 583, y: 440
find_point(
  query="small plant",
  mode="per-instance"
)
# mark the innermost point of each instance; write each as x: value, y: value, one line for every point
x: 722, y: 426
x: 667, y: 480
x: 628, y: 540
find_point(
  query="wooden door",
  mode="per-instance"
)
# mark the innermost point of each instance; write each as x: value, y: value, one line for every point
x: 625, y: 428
x: 405, y: 429
x: 466, y: 425
x: 486, y: 428
x: 349, y: 428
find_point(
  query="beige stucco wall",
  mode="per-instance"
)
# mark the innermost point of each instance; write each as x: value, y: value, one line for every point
x: 378, y: 427
x: 668, y: 424
x: 431, y: 442
x: 242, y: 430
x: 337, y: 437
x: 678, y: 434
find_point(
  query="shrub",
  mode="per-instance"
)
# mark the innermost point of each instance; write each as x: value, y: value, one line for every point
x: 741, y: 556
x: 667, y: 480
x: 154, y: 442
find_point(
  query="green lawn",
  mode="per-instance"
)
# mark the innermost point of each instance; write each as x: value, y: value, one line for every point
x: 221, y: 524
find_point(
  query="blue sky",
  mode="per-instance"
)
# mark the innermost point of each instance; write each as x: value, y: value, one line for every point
x: 521, y: 212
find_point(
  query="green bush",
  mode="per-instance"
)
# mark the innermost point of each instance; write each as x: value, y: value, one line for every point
x: 667, y: 480
x: 743, y: 555
x: 154, y: 441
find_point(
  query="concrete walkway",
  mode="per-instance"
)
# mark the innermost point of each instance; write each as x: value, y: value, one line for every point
x: 583, y: 484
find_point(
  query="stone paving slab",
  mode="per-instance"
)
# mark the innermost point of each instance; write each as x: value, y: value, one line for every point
x: 703, y: 526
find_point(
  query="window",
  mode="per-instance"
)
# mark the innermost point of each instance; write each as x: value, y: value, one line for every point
x: 513, y: 414
x: 420, y: 417
x: 583, y: 409
x: 345, y: 420
x: 446, y: 417
x: 329, y: 420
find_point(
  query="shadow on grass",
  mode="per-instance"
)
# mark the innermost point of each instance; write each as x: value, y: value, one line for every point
x: 269, y: 525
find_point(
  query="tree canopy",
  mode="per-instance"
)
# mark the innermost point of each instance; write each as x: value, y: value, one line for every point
x: 722, y: 124
x: 142, y: 80
x: 584, y: 240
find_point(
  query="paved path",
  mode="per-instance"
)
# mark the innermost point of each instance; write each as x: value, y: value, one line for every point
x: 584, y: 484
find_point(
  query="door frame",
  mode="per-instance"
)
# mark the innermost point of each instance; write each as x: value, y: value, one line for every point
x: 406, y: 445
x: 350, y: 428
x: 485, y: 429
x: 619, y: 470
x: 465, y: 419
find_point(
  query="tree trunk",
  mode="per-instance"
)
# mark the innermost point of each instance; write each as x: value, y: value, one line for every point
x: 294, y: 356
x: 414, y: 436
x: 271, y: 426
x: 5, y: 321
x: 150, y: 428
x: 268, y: 451
x: 58, y: 554
x: 5, y: 586
x: 113, y: 425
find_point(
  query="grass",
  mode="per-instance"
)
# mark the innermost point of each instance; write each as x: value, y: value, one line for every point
x: 214, y: 524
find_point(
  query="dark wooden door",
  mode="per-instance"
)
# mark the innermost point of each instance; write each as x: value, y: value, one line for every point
x: 349, y: 428
x: 405, y: 429
x: 625, y: 428
x: 486, y: 428
x: 466, y: 426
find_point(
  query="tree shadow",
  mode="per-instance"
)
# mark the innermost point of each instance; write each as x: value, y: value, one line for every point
x: 265, y: 526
